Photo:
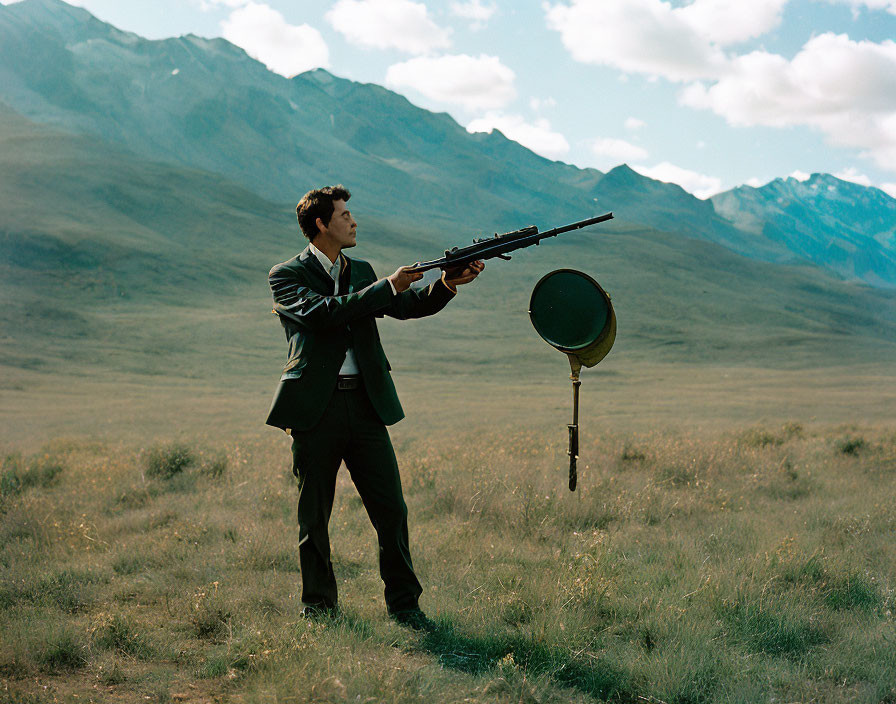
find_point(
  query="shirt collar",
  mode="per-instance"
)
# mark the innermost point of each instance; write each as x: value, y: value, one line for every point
x: 332, y: 268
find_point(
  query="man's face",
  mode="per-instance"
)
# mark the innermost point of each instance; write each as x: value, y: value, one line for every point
x: 341, y: 230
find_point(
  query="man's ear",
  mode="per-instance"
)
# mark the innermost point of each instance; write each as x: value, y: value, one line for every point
x: 320, y: 225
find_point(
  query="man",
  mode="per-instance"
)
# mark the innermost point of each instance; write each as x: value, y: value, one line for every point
x: 336, y: 396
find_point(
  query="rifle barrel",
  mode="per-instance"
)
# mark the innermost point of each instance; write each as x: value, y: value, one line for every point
x: 577, y: 225
x: 497, y: 246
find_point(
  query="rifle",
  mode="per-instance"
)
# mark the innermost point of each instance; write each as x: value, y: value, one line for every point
x: 500, y: 245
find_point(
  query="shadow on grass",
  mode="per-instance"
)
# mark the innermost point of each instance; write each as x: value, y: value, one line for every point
x: 480, y: 654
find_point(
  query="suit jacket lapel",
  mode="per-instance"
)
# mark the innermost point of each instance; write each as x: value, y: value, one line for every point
x: 345, y: 276
x: 311, y: 264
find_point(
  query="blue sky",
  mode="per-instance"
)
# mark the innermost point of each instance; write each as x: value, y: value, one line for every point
x: 710, y: 94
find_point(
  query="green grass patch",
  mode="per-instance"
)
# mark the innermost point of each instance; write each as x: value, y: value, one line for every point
x: 14, y: 697
x: 133, y: 498
x: 109, y: 670
x: 133, y: 563
x: 852, y: 445
x: 677, y: 475
x: 60, y: 651
x: 763, y: 437
x: 18, y: 475
x: 210, y: 622
x: 597, y: 677
x: 69, y: 590
x: 167, y: 461
x: 630, y: 453
x: 213, y: 467
x: 215, y: 666
x: 774, y: 625
x: 841, y: 588
x: 853, y: 591
x: 118, y: 635
x: 267, y: 557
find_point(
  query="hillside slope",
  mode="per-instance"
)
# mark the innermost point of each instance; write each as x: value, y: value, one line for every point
x: 114, y: 264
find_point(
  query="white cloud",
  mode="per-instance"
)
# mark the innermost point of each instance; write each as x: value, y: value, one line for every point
x: 852, y: 174
x: 731, y: 21
x: 845, y: 88
x: 206, y: 5
x: 654, y: 38
x: 889, y: 189
x: 612, y: 152
x: 537, y: 136
x: 476, y: 83
x: 475, y: 11
x: 700, y: 185
x: 888, y: 5
x: 799, y: 175
x: 538, y: 104
x: 633, y: 123
x: 388, y: 24
x: 639, y: 36
x: 267, y: 36
x: 755, y: 182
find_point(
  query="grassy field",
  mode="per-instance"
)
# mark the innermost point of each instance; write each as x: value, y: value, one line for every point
x: 730, y: 562
x: 732, y: 538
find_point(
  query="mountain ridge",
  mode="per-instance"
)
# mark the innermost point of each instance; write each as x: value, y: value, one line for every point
x: 842, y: 225
x: 205, y: 104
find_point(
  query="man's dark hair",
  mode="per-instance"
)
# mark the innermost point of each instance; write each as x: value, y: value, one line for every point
x: 319, y: 204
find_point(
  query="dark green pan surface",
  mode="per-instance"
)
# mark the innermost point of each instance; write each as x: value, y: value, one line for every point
x: 568, y: 309
x: 573, y: 313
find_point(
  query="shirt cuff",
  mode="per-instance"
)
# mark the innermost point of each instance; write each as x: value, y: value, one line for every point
x: 451, y: 288
x: 392, y: 286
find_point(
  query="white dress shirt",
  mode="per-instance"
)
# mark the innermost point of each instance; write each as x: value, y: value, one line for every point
x: 349, y: 366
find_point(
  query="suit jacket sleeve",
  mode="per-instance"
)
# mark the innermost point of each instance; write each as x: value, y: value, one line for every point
x: 295, y: 300
x: 418, y: 303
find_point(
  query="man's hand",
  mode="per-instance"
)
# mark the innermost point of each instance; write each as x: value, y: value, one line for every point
x: 459, y: 277
x: 402, y: 278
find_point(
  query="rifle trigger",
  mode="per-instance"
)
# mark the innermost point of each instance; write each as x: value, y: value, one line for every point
x: 505, y: 257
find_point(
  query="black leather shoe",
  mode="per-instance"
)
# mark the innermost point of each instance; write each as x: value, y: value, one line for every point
x: 414, y: 619
x: 318, y: 612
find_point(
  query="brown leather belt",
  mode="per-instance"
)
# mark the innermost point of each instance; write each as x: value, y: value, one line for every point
x: 348, y: 383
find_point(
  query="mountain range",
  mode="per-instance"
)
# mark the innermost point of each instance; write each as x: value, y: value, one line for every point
x: 845, y: 227
x: 144, y: 183
x: 205, y: 104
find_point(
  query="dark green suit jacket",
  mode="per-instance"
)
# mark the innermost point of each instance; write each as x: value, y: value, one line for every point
x: 320, y: 327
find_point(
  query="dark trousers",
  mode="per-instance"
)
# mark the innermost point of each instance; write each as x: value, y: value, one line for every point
x: 351, y: 430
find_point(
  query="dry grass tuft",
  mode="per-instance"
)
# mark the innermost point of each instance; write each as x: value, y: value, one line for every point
x: 168, y: 461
